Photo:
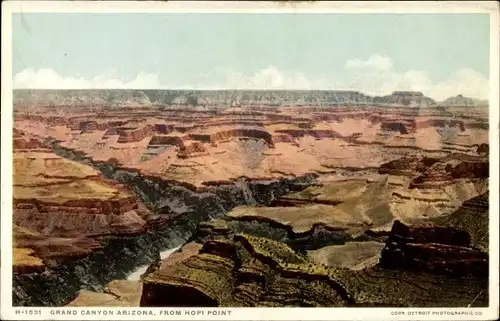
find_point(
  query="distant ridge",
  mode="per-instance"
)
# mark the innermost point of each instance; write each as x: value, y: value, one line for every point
x: 462, y: 101
x: 271, y: 98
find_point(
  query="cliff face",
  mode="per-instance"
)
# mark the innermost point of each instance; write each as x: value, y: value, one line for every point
x: 407, y: 166
x: 432, y: 173
x: 439, y: 250
x: 113, y: 258
x: 22, y: 142
x: 224, y: 135
x: 470, y: 170
x: 130, y: 135
x: 409, y: 125
x: 472, y: 216
x: 406, y: 98
x: 57, y: 197
x: 454, y: 244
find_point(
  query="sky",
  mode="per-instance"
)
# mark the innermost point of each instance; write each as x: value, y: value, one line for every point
x: 440, y: 54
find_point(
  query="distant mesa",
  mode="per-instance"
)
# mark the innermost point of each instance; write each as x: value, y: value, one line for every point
x: 406, y: 98
x: 462, y: 101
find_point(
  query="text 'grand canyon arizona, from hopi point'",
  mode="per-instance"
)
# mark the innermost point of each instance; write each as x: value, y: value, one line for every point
x: 265, y: 188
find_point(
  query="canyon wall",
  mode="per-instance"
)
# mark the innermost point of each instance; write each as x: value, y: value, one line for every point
x: 265, y: 198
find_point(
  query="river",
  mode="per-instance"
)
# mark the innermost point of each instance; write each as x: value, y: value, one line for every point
x: 136, y: 275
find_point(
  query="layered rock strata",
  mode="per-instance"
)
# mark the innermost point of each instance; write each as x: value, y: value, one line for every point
x: 435, y: 249
x: 200, y: 146
x: 251, y: 271
x: 422, y: 265
x: 117, y: 293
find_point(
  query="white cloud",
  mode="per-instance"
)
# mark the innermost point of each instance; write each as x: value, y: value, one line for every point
x: 49, y: 79
x: 464, y: 81
x: 374, y: 76
x: 266, y: 78
x: 374, y: 62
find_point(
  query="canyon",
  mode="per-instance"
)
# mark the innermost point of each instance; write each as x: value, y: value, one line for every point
x: 248, y: 198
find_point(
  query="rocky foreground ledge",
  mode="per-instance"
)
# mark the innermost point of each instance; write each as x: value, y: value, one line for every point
x: 235, y: 269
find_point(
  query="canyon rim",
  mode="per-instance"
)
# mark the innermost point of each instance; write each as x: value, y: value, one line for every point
x: 222, y: 162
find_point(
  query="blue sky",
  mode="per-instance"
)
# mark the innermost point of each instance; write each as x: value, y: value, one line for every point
x: 368, y: 52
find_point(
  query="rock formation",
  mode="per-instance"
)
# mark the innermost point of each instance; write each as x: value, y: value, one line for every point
x: 419, y: 265
x: 115, y: 294
x: 299, y: 198
x: 439, y: 250
x: 461, y: 101
x: 232, y: 269
x: 472, y: 216
x: 253, y: 271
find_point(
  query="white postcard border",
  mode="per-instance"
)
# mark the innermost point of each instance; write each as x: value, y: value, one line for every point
x: 9, y: 312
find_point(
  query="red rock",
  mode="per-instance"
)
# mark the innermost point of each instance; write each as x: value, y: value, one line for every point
x: 63, y: 203
x: 159, y: 141
x: 434, y: 249
x: 192, y: 150
x: 128, y: 135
